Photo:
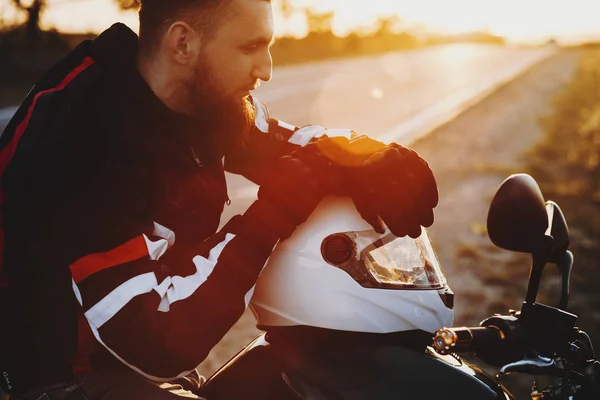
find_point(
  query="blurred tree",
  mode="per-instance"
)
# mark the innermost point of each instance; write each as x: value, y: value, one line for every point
x: 34, y: 10
x: 387, y: 26
x: 4, y: 23
x: 353, y: 43
x: 319, y: 22
x: 128, y: 4
x: 287, y: 8
x: 387, y: 36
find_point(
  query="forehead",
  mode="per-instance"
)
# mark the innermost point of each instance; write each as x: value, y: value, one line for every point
x: 247, y: 20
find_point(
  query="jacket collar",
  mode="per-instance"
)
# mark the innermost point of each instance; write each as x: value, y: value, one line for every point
x: 115, y: 51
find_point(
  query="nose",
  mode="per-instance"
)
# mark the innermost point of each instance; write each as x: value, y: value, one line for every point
x: 263, y: 67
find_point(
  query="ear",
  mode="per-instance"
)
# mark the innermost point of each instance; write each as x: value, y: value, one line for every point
x: 182, y: 43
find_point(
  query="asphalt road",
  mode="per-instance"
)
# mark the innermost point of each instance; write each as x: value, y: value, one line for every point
x: 375, y: 94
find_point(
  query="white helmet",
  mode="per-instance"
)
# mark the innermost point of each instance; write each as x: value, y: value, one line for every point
x: 336, y: 272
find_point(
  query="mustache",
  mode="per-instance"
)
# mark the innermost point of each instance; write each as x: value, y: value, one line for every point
x: 252, y: 86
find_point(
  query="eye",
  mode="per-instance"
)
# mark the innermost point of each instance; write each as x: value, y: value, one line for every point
x: 250, y: 49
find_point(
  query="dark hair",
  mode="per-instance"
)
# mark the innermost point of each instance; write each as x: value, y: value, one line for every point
x: 156, y: 16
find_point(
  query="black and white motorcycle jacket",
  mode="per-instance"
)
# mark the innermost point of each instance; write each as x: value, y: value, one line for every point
x: 110, y: 206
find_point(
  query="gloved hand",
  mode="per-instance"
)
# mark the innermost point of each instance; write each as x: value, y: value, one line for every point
x: 397, y: 186
x: 294, y: 189
x: 389, y: 184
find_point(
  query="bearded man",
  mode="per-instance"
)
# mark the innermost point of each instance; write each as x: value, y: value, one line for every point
x: 114, y: 276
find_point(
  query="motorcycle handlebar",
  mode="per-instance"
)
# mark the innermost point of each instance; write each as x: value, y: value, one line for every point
x: 464, y: 339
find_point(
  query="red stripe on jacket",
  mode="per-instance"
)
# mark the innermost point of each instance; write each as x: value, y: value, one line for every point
x: 132, y: 250
x: 7, y: 153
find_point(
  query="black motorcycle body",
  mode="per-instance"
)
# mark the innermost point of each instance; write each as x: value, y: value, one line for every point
x: 372, y: 368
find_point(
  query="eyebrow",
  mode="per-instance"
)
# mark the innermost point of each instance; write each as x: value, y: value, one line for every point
x: 262, y: 41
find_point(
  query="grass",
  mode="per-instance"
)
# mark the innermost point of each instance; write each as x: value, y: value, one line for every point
x: 468, y: 251
x: 566, y: 164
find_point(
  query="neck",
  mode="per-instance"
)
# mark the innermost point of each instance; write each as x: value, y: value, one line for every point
x: 159, y: 78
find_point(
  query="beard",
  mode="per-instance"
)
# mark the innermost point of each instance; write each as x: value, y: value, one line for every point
x: 228, y: 119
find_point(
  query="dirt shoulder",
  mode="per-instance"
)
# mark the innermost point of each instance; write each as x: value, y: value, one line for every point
x: 470, y: 157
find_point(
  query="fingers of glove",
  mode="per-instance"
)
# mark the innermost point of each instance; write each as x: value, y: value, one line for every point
x: 368, y: 213
x: 375, y: 221
x: 411, y: 218
x: 414, y: 227
x: 386, y: 202
x: 396, y: 222
x: 372, y: 196
x: 418, y: 169
x: 429, y: 191
x: 401, y: 216
x: 425, y: 217
x: 399, y: 210
x: 393, y: 165
x: 406, y: 152
x: 406, y: 164
x: 401, y: 188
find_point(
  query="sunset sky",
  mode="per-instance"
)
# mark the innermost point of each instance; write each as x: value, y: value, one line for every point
x: 521, y: 20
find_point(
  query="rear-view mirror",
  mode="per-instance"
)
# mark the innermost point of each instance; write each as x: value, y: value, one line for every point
x: 517, y: 219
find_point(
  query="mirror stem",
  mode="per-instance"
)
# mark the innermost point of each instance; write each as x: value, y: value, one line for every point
x: 540, y: 257
x: 565, y: 264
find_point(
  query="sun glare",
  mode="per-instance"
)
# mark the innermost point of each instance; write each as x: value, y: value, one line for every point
x: 515, y: 19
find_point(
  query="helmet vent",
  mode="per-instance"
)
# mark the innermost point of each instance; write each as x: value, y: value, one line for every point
x: 337, y: 249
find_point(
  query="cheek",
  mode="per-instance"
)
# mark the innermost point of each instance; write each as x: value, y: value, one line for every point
x: 230, y: 68
x: 235, y: 71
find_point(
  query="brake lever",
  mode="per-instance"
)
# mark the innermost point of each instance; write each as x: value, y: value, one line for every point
x: 533, y: 366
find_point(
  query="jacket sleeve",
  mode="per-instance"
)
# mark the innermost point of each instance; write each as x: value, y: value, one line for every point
x: 270, y: 139
x: 156, y: 306
x: 160, y: 310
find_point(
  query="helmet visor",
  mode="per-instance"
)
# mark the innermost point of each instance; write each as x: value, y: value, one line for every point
x: 392, y: 262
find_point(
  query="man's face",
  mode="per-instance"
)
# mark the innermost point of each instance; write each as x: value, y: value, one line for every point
x: 232, y: 62
x: 238, y: 54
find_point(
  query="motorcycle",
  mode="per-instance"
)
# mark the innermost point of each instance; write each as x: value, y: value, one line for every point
x: 294, y: 360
